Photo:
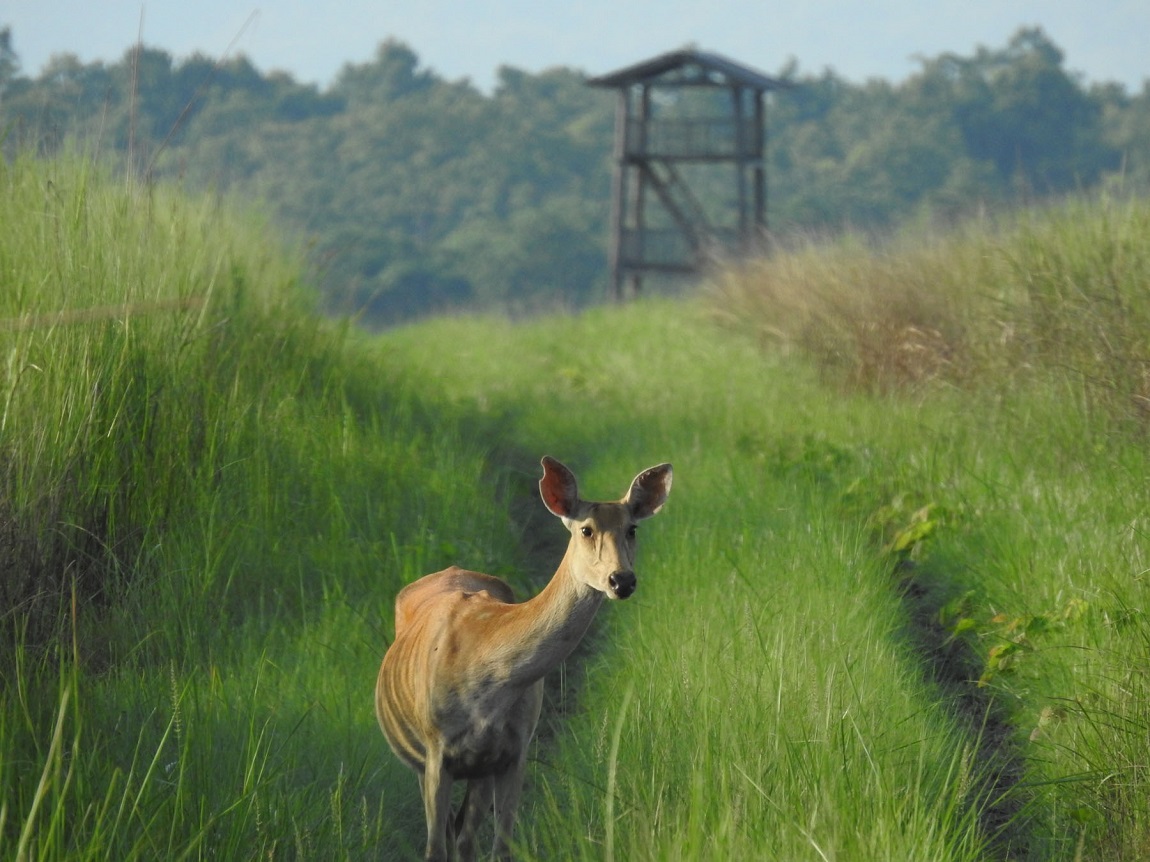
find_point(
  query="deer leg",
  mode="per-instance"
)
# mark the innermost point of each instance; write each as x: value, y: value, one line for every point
x: 508, y: 788
x: 476, y: 806
x: 436, y: 788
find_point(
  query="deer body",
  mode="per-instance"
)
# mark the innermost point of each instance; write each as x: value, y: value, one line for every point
x: 460, y: 689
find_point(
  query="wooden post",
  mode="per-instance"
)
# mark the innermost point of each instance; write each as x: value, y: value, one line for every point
x: 761, y: 168
x: 740, y: 162
x: 642, y: 156
x: 619, y: 193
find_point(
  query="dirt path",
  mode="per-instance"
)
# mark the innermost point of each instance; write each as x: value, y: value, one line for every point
x: 952, y: 666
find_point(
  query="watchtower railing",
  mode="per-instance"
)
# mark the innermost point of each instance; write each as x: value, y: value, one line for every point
x: 669, y: 250
x: 703, y: 139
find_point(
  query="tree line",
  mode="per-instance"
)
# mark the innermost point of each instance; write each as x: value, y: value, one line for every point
x: 415, y: 193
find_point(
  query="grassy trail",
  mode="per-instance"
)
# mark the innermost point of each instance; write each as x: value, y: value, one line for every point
x: 757, y: 565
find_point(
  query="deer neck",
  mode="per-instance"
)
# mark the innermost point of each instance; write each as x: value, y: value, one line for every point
x: 546, y: 629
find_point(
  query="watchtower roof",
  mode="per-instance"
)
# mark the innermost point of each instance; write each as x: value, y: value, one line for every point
x: 690, y: 67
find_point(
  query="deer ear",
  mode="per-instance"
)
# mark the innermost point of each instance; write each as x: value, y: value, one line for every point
x: 649, y: 491
x: 558, y: 488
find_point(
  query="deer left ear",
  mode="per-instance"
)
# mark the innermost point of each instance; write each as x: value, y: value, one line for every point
x: 649, y: 491
x: 558, y: 488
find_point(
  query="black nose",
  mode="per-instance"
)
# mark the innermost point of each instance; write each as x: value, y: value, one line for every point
x: 622, y: 584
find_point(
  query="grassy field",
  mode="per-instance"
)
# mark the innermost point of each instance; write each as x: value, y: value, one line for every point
x: 894, y: 609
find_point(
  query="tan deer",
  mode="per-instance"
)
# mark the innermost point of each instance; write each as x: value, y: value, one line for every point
x: 460, y: 688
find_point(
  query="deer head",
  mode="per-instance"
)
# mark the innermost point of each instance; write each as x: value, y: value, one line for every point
x: 602, y: 549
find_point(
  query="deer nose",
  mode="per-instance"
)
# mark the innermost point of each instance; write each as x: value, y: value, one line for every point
x: 622, y: 584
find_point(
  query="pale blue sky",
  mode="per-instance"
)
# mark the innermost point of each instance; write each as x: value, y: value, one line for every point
x: 1104, y: 40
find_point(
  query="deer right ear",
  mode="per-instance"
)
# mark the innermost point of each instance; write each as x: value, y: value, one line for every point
x: 558, y: 488
x: 649, y: 491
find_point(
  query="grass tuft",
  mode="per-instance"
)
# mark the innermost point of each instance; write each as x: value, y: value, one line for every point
x: 1054, y: 292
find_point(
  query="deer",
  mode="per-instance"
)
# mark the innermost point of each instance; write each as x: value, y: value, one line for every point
x: 460, y: 688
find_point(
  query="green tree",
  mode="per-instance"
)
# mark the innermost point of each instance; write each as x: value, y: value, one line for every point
x: 392, y: 74
x: 9, y: 61
x: 1126, y: 121
x: 415, y: 193
x: 1021, y: 110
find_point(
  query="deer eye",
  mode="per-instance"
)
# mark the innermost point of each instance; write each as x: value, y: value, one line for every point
x: 587, y: 532
x: 631, y: 531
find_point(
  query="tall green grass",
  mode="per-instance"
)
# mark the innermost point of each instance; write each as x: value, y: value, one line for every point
x: 1023, y: 350
x: 875, y: 620
x: 209, y: 498
x: 757, y: 698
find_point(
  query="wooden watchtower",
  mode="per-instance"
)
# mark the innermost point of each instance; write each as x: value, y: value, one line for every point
x: 680, y: 116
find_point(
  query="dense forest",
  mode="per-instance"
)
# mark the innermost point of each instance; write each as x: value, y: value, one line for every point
x: 416, y: 193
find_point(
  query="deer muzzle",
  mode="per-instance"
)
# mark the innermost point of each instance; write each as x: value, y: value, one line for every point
x: 622, y: 584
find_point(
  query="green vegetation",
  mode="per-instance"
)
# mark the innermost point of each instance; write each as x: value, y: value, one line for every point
x: 894, y: 609
x: 1040, y: 298
x: 210, y: 496
x: 420, y: 194
x: 1023, y: 347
